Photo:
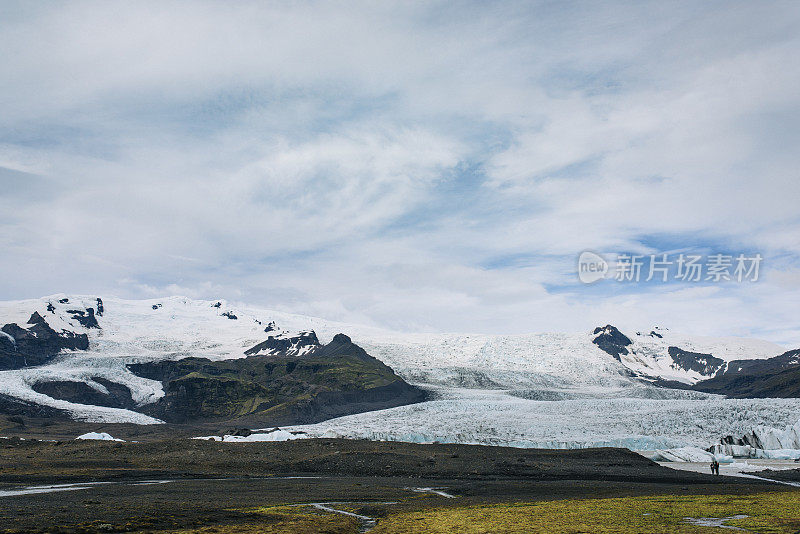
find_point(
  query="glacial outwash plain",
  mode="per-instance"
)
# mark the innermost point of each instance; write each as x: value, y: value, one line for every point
x: 181, y: 415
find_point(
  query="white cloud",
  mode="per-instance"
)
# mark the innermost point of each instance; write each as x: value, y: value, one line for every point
x: 434, y: 166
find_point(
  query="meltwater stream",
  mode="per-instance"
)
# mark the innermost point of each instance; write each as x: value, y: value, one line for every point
x: 53, y: 488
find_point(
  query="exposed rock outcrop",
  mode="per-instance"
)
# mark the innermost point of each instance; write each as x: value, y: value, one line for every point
x: 705, y: 364
x: 286, y: 345
x: 86, y: 318
x: 118, y: 396
x: 16, y: 407
x: 37, y: 344
x: 611, y: 340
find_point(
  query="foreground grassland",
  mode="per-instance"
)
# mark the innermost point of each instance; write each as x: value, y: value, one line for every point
x: 777, y: 512
x: 271, y: 487
x: 767, y: 512
x: 285, y: 520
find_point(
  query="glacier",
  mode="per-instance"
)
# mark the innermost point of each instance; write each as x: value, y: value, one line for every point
x: 489, y: 417
x: 552, y: 390
x: 687, y: 454
x: 763, y: 441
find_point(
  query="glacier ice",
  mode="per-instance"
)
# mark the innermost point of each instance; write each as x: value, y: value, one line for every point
x: 683, y: 454
x: 554, y: 390
x: 764, y: 441
x: 773, y: 438
x: 276, y: 435
x: 497, y: 418
x: 101, y: 436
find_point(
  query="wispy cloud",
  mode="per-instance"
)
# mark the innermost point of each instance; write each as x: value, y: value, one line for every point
x: 413, y: 165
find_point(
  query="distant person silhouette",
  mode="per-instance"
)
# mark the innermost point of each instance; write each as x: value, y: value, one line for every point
x: 714, y: 467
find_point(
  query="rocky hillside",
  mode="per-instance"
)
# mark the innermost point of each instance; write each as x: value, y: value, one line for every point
x: 773, y: 377
x: 181, y: 361
x: 35, y: 343
x: 662, y: 358
x: 331, y: 380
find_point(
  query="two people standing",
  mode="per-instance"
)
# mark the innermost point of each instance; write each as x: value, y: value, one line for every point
x: 714, y: 467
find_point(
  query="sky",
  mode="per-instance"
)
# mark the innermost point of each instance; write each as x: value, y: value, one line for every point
x: 419, y: 166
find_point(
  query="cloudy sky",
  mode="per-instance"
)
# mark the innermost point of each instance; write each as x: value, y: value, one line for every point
x: 419, y: 166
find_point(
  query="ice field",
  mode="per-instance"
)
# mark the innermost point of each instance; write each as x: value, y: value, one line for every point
x: 497, y: 418
x: 554, y: 390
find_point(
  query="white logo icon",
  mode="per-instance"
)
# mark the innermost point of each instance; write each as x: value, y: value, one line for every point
x: 591, y: 267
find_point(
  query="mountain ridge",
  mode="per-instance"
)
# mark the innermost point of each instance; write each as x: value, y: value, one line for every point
x: 140, y: 333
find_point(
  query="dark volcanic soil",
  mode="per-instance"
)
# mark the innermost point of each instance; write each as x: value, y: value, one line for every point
x: 787, y: 475
x: 212, y: 483
x: 43, y: 461
x: 201, y: 502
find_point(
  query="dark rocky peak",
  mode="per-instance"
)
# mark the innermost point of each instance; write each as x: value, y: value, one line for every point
x: 17, y: 333
x: 282, y: 345
x: 51, y: 308
x: 36, y: 344
x: 309, y: 337
x: 705, y: 364
x: 611, y: 340
x: 100, y: 308
x: 791, y: 357
x: 653, y: 333
x: 341, y: 339
x: 342, y: 345
x: 157, y: 306
x: 230, y: 315
x: 216, y: 305
x: 608, y: 330
x: 271, y: 327
x: 64, y: 301
x: 36, y: 319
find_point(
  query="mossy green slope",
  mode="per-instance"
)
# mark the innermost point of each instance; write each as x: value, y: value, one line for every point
x: 336, y: 379
x: 766, y: 513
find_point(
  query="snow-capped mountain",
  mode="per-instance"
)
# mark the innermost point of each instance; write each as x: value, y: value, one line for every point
x: 63, y: 354
x: 602, y: 358
x: 663, y: 356
x: 606, y: 362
